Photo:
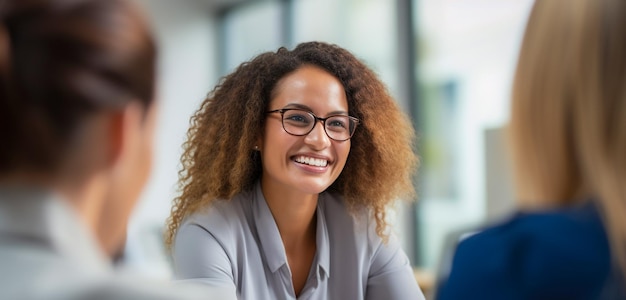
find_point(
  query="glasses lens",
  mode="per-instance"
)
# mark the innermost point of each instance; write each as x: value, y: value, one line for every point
x: 298, y: 122
x: 340, y: 127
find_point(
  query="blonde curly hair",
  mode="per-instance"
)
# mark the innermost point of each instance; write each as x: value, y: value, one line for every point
x: 218, y: 161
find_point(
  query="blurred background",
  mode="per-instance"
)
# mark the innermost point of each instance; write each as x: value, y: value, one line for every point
x: 449, y: 63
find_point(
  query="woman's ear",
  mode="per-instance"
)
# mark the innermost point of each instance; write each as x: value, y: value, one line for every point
x: 131, y: 131
x: 258, y: 145
x: 124, y: 130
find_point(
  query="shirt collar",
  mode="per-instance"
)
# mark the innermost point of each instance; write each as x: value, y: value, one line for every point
x: 37, y: 215
x: 272, y: 244
x: 269, y: 236
x: 323, y: 243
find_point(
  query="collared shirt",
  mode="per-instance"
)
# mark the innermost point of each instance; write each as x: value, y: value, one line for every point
x: 46, y: 252
x: 236, y: 243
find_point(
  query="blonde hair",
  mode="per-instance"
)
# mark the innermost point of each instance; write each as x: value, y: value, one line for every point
x: 219, y: 161
x: 568, y: 121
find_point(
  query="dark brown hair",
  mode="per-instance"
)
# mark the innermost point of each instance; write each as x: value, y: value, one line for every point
x: 60, y: 62
x: 219, y: 161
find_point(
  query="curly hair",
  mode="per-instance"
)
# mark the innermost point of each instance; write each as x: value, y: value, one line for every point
x: 219, y: 162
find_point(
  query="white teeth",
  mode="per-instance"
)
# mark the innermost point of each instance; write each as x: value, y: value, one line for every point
x: 318, y: 162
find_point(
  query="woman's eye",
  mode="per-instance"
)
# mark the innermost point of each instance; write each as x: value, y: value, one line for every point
x: 336, y: 124
x: 297, y: 118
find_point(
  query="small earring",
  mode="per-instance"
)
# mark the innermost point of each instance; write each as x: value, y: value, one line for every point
x: 256, y: 148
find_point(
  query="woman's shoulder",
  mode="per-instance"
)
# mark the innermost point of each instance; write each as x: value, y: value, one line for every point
x: 335, y: 203
x: 337, y: 212
x: 356, y: 224
x: 556, y: 229
x: 538, y: 252
x: 221, y: 216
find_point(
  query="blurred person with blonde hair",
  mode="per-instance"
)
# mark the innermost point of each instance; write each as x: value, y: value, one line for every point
x: 568, y: 138
x: 289, y: 168
x: 77, y: 117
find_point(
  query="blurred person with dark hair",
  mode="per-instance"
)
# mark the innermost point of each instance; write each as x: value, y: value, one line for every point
x: 568, y: 137
x: 77, y: 119
x: 290, y: 165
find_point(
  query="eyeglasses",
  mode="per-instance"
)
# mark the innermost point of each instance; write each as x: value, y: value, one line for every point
x: 300, y: 122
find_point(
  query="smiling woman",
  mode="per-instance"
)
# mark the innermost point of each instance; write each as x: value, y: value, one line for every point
x: 288, y: 169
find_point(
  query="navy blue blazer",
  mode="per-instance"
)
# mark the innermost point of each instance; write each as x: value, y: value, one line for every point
x: 561, y: 254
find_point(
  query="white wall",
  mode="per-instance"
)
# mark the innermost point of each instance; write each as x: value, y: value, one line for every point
x: 186, y: 36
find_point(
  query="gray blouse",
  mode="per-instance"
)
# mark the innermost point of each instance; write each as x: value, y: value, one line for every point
x: 236, y: 245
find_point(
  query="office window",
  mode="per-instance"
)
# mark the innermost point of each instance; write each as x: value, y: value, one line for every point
x: 248, y: 30
x: 466, y: 56
x: 367, y: 28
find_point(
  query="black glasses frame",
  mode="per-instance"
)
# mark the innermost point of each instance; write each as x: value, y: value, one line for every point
x: 316, y: 118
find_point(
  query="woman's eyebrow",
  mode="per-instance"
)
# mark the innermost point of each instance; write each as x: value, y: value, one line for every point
x: 304, y: 107
x: 338, y: 112
x: 297, y: 105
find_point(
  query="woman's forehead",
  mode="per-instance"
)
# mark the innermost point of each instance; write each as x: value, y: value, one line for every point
x: 310, y: 87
